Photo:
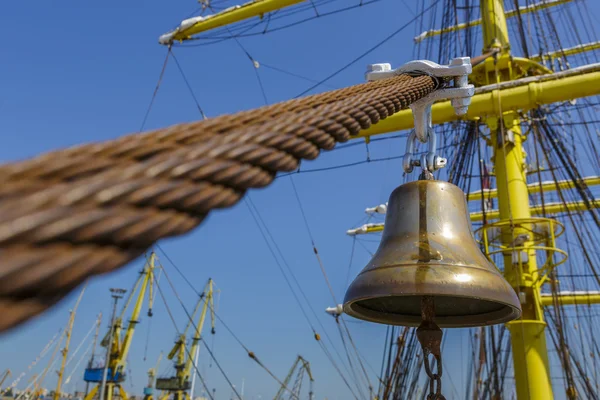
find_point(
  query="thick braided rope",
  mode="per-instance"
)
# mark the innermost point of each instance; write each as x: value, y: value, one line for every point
x: 75, y: 213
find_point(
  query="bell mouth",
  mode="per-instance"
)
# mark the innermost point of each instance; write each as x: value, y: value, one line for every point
x: 452, y: 311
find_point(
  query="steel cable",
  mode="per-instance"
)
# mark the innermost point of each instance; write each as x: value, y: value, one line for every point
x: 75, y: 213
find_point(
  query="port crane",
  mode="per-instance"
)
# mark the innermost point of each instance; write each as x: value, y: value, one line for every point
x: 65, y: 350
x: 149, y: 390
x: 5, y: 375
x: 299, y: 368
x: 119, y: 349
x: 185, y: 356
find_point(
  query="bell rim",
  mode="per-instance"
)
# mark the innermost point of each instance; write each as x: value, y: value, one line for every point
x: 506, y: 314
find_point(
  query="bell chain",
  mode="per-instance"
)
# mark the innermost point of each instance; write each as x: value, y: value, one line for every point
x: 430, y: 337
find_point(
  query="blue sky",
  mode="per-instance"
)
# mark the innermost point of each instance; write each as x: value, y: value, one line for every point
x: 85, y: 71
x: 75, y: 72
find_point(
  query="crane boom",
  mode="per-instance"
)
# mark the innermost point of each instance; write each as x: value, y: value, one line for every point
x: 196, y: 339
x: 65, y: 350
x: 148, y: 282
x: 287, y: 380
x: 5, y: 375
x: 180, y: 385
x: 120, y: 348
x: 40, y: 380
x: 149, y: 389
x: 303, y: 366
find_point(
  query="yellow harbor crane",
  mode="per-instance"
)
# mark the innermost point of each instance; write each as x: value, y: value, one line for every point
x: 186, y: 357
x: 65, y: 350
x: 300, y: 367
x: 506, y: 87
x: 38, y: 382
x: 149, y: 389
x: 119, y: 348
x: 5, y: 375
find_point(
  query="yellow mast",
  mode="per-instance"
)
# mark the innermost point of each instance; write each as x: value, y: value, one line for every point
x: 65, y: 350
x: 528, y: 338
x: 503, y: 92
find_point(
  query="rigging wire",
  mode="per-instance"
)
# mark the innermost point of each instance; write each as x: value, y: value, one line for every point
x: 322, y: 267
x: 366, y: 161
x: 160, y: 291
x: 466, y: 177
x: 254, y: 210
x: 237, y: 339
x: 255, y: 64
x: 187, y: 83
x: 160, y: 78
x: 350, y: 263
x: 367, y: 52
x: 262, y: 64
x: 246, y: 27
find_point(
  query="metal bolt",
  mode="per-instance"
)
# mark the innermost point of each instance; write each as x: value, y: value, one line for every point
x: 461, y: 105
x: 385, y: 67
x: 461, y: 61
x: 440, y: 162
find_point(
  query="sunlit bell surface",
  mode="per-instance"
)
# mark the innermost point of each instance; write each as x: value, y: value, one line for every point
x: 428, y: 249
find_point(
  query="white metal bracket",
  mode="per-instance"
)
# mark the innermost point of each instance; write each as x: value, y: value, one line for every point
x: 459, y: 94
x: 335, y: 311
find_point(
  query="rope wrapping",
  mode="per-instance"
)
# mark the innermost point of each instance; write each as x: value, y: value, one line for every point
x: 87, y: 210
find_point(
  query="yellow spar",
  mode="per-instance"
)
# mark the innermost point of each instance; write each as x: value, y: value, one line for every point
x: 521, y: 95
x: 195, y: 25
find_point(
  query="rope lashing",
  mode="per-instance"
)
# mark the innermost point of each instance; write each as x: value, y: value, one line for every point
x: 87, y: 210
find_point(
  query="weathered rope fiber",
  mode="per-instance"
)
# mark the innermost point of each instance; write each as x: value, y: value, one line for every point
x: 75, y: 213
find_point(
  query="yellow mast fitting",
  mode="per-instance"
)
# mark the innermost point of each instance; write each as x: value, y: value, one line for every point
x: 509, y: 14
x: 519, y: 95
x: 195, y: 25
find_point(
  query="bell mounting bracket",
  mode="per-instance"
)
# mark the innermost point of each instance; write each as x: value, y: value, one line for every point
x: 457, y: 90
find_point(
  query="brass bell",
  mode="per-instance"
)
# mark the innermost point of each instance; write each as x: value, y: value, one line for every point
x: 428, y: 249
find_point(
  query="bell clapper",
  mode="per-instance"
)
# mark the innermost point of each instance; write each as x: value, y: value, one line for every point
x: 430, y: 337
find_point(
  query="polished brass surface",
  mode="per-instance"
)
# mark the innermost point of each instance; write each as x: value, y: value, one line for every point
x: 428, y: 249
